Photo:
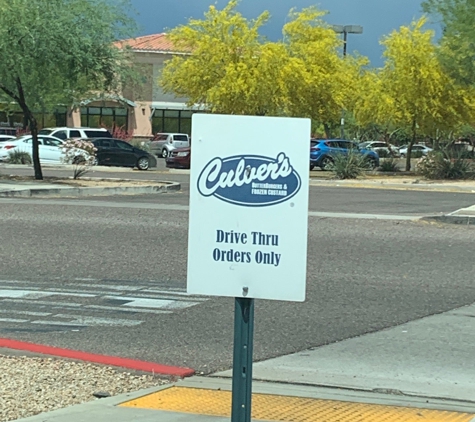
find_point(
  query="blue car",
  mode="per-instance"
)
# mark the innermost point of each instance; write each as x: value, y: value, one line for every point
x: 323, y: 151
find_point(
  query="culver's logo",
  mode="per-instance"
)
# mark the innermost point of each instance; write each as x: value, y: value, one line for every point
x: 250, y: 180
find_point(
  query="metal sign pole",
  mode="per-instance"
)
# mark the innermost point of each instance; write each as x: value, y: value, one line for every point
x: 242, y: 360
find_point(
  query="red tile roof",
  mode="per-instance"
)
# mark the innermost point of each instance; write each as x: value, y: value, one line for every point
x: 158, y: 43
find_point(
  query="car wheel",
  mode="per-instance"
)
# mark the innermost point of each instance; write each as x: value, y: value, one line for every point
x: 311, y: 167
x: 326, y: 163
x: 143, y: 163
x: 403, y: 155
x: 95, y: 161
x: 164, y: 153
x: 372, y: 163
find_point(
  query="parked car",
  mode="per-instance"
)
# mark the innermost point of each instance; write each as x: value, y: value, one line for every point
x: 75, y: 132
x: 382, y: 148
x: 415, y: 148
x: 4, y: 138
x: 115, y: 152
x: 323, y: 152
x: 11, y: 131
x: 49, y: 148
x: 179, y: 158
x: 163, y: 143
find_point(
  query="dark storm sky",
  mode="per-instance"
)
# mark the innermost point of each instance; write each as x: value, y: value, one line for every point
x: 378, y: 17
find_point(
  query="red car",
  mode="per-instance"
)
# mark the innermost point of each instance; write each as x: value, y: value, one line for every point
x: 179, y: 158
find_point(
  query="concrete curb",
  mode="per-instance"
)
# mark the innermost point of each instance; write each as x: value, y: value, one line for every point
x: 137, y: 365
x: 426, y: 187
x: 92, y: 191
x: 451, y: 219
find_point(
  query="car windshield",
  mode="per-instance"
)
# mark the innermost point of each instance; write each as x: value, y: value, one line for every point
x: 363, y: 144
x: 45, y: 132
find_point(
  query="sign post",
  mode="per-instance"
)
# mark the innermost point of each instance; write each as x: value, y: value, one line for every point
x: 248, y: 222
x: 242, y: 359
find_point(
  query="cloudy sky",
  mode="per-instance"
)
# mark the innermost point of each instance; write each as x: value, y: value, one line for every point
x: 378, y: 17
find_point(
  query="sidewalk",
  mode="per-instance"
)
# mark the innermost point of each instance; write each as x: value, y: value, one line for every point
x: 418, y: 371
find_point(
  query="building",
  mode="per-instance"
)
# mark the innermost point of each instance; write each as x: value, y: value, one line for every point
x: 141, y: 112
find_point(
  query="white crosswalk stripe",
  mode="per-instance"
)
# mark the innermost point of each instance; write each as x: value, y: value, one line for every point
x: 82, y: 303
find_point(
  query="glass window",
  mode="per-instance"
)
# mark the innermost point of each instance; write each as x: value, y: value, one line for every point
x: 171, y: 124
x: 61, y: 134
x: 124, y: 145
x: 186, y: 114
x: 120, y: 111
x: 106, y: 111
x: 172, y: 113
x: 94, y: 110
x: 185, y: 126
x: 181, y: 138
x: 74, y: 134
x: 97, y: 134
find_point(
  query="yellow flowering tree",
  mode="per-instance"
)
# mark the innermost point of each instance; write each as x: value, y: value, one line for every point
x: 412, y: 90
x: 230, y: 69
x: 327, y: 82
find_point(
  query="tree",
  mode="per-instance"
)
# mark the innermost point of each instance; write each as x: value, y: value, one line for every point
x: 413, y: 91
x: 228, y: 67
x: 457, y: 43
x: 53, y: 51
x: 327, y: 82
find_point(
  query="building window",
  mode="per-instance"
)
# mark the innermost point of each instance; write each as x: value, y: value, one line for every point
x: 172, y: 121
x: 46, y: 119
x: 104, y: 117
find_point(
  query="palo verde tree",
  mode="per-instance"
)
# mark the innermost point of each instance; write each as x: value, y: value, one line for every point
x: 457, y: 52
x: 229, y: 68
x: 414, y: 88
x: 327, y: 82
x: 55, y: 50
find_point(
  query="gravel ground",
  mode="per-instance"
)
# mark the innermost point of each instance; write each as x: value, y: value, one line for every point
x: 30, y: 385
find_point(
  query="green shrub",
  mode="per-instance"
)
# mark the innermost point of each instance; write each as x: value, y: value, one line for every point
x: 437, y: 165
x: 389, y: 165
x: 349, y: 166
x: 19, y: 157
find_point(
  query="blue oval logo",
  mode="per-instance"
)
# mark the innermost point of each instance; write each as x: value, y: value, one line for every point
x: 250, y: 180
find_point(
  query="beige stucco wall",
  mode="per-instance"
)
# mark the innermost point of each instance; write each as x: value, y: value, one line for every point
x: 148, y: 95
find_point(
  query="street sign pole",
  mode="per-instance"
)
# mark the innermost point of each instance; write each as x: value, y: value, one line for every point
x: 242, y: 360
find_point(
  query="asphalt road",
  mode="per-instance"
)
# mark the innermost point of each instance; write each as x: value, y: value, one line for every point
x: 111, y: 278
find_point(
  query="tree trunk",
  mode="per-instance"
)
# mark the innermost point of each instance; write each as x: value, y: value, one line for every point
x: 33, y: 127
x: 36, y: 154
x: 34, y: 134
x: 327, y: 129
x: 411, y: 144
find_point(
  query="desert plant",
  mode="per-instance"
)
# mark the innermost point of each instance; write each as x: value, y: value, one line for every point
x: 119, y: 132
x: 349, y: 166
x: 389, y: 165
x: 19, y: 157
x: 81, y: 154
x: 437, y: 165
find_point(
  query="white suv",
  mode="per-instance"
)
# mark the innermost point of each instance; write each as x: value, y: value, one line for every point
x: 163, y: 143
x: 75, y: 132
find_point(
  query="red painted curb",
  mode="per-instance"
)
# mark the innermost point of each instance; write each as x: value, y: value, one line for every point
x: 103, y: 359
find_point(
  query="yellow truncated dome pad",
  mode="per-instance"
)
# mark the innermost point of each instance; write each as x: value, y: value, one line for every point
x: 286, y: 408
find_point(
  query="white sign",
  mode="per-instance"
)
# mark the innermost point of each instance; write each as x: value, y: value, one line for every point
x: 248, y: 206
